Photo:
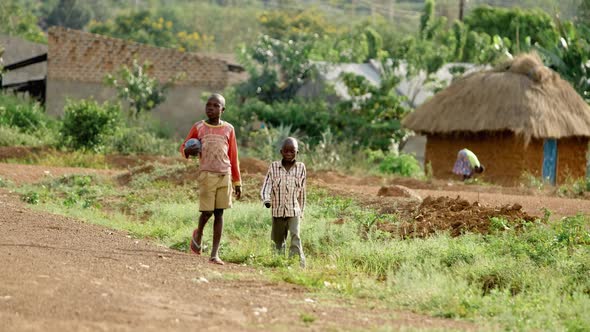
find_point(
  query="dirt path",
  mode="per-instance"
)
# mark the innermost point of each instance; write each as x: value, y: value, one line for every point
x: 34, y: 173
x: 59, y: 274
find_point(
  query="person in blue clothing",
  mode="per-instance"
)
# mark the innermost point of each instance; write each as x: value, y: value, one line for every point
x: 467, y: 164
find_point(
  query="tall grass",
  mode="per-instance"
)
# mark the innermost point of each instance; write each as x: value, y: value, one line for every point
x: 534, y: 279
x: 23, y: 122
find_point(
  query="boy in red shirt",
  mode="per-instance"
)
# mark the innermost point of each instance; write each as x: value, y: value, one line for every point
x: 218, y: 171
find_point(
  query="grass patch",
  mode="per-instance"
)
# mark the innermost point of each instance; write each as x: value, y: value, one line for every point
x: 533, y: 279
x: 307, y: 318
x: 57, y: 158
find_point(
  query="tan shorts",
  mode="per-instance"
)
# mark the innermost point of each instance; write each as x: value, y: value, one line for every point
x: 215, y: 191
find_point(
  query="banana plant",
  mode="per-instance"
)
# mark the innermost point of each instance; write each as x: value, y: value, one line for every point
x: 570, y: 56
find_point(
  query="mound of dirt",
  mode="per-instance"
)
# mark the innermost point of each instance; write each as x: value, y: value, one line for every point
x: 160, y: 172
x: 415, y: 183
x: 16, y: 152
x: 398, y: 191
x: 457, y: 216
x: 253, y: 166
x: 331, y: 177
x: 130, y: 161
x: 125, y: 178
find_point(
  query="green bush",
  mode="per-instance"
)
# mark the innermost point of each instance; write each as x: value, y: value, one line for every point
x: 403, y: 164
x: 21, y: 113
x: 86, y: 123
x: 138, y: 140
x: 310, y: 118
x: 10, y: 136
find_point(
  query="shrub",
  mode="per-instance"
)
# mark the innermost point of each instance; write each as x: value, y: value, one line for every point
x: 310, y: 118
x: 137, y: 140
x: 10, y: 136
x: 86, y: 123
x: 21, y: 113
x: 402, y: 164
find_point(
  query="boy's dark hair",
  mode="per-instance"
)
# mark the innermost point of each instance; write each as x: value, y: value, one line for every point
x: 292, y: 141
x: 479, y: 169
x: 218, y: 97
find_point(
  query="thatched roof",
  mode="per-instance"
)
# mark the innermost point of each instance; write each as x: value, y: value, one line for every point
x: 521, y: 96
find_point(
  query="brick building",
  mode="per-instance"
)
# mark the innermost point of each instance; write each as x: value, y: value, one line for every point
x: 79, y: 61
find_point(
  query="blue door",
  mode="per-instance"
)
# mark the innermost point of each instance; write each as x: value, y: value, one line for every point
x: 550, y: 160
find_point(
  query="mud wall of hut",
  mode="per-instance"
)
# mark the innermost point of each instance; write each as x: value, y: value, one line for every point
x: 571, y: 158
x: 505, y: 156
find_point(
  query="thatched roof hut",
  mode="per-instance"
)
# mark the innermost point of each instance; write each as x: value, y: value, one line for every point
x: 520, y: 102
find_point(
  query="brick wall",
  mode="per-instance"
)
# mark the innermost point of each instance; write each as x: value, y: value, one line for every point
x: 78, y: 62
x: 75, y: 55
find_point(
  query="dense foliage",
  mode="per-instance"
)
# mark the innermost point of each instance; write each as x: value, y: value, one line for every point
x: 570, y: 56
x: 520, y: 26
x: 87, y: 123
x: 18, y: 21
x: 73, y: 14
x: 148, y: 28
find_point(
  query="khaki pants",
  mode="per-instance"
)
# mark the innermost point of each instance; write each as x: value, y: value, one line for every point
x: 280, y: 227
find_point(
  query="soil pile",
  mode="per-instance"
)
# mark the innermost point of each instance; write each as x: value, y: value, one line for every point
x: 253, y: 166
x: 160, y: 172
x: 398, y: 191
x: 457, y: 216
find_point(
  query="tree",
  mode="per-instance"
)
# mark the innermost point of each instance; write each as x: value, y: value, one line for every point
x: 285, y: 25
x: 144, y: 27
x: 514, y: 23
x: 584, y: 12
x: 277, y: 68
x: 70, y: 13
x: 134, y: 86
x: 374, y: 113
x: 16, y: 21
x: 570, y: 56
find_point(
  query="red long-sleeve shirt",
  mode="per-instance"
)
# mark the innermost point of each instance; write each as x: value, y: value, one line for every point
x: 219, y: 151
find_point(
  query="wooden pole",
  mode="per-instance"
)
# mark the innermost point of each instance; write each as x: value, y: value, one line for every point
x: 461, y: 9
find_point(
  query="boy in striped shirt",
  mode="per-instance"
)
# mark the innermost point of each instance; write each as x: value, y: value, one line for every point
x: 284, y: 191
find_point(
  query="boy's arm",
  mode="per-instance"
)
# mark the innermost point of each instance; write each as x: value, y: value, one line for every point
x: 233, y: 160
x: 193, y: 133
x: 302, y: 194
x: 266, y: 187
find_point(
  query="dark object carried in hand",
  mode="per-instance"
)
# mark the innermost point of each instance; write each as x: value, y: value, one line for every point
x: 192, y: 147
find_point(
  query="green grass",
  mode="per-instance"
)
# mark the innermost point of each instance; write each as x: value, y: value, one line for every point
x: 534, y: 279
x: 56, y: 158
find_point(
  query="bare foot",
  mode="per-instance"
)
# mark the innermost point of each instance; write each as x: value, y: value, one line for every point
x: 216, y: 260
x: 195, y: 247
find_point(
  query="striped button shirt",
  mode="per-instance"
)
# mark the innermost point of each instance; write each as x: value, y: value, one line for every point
x: 285, y: 190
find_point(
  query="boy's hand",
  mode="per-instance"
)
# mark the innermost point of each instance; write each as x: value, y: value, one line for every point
x: 267, y: 204
x: 193, y: 148
x: 238, y: 190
